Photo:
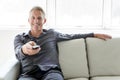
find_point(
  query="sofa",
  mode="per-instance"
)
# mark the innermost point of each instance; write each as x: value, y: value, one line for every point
x: 82, y: 59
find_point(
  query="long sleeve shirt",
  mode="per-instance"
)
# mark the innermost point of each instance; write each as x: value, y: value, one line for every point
x: 47, y: 57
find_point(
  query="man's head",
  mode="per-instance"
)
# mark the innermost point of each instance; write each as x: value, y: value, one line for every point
x: 36, y: 18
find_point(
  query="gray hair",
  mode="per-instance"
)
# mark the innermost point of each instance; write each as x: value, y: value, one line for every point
x: 39, y: 9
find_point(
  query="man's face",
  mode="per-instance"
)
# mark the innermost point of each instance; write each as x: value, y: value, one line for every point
x: 36, y: 20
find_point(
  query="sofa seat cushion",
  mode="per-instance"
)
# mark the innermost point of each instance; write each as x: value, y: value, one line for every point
x: 106, y: 78
x: 72, y: 57
x: 78, y: 79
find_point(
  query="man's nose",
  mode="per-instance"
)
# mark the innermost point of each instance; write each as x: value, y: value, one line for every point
x: 36, y: 20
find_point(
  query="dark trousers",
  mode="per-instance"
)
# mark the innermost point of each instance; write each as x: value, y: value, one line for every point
x: 37, y: 74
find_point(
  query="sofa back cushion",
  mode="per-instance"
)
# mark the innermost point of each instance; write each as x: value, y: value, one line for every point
x: 72, y: 57
x: 103, y: 56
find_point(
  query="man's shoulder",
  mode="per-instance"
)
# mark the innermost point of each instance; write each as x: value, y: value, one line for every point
x: 49, y: 31
x: 22, y: 34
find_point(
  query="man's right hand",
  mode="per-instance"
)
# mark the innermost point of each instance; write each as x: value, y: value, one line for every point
x: 27, y: 48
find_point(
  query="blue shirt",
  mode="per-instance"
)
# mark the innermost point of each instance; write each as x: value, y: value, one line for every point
x: 47, y: 57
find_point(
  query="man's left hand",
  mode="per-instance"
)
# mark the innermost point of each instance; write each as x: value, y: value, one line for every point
x: 102, y: 36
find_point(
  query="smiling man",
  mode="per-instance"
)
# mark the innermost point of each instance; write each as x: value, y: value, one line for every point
x: 41, y: 63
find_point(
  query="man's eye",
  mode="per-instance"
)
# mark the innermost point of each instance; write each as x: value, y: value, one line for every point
x: 33, y: 17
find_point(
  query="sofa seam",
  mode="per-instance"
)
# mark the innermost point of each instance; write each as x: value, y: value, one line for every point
x: 87, y: 58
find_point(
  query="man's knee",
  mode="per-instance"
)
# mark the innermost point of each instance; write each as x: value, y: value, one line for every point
x: 53, y: 76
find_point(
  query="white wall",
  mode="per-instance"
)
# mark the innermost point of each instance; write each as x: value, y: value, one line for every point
x: 7, y: 45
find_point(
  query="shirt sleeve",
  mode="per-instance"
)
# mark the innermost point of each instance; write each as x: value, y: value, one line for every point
x: 18, y: 42
x: 63, y: 37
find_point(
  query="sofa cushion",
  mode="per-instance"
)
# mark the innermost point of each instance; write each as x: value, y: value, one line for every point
x: 103, y: 56
x: 72, y: 57
x: 106, y: 78
x: 79, y: 79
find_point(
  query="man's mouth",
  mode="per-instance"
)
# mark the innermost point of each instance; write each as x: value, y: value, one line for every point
x: 36, y: 25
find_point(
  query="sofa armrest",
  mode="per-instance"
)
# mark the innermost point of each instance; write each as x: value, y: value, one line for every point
x: 10, y: 70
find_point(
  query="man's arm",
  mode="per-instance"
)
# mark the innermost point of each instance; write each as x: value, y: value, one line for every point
x: 62, y: 37
x: 102, y: 36
x: 18, y: 43
x: 23, y: 49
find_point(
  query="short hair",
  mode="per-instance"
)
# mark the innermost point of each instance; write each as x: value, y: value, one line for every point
x: 39, y: 9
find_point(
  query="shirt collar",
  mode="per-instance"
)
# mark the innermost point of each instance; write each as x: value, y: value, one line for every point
x: 28, y: 33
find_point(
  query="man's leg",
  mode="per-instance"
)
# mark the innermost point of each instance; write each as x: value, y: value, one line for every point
x: 53, y: 75
x: 33, y: 74
x: 26, y: 78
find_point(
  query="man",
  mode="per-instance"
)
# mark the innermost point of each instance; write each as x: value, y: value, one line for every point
x: 42, y: 63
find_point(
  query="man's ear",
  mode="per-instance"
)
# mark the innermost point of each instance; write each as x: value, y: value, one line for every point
x: 44, y: 20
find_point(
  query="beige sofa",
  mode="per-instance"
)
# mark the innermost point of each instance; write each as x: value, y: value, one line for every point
x: 83, y: 59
